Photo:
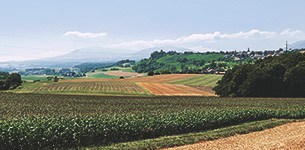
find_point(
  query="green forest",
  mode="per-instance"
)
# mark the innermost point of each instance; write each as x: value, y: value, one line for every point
x: 282, y: 76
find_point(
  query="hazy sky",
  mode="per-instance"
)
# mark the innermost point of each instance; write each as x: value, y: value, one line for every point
x: 39, y: 28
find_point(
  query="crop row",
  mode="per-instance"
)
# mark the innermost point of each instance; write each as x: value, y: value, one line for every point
x: 63, y: 132
x: 89, y: 87
x: 34, y: 121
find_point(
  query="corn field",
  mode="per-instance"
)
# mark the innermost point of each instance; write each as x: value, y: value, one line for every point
x: 33, y: 121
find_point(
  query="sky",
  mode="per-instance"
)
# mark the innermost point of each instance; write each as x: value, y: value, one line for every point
x: 35, y: 29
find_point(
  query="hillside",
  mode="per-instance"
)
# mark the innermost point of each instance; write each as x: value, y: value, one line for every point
x: 187, y: 62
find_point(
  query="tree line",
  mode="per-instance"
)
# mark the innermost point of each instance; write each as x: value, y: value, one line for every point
x: 9, y: 81
x: 281, y: 76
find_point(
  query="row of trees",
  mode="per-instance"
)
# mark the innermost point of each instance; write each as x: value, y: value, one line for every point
x: 9, y: 81
x: 282, y: 76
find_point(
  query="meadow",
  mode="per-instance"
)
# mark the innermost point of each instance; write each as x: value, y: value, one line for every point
x: 71, y: 121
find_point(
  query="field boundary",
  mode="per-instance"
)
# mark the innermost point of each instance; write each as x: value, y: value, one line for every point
x: 191, y: 138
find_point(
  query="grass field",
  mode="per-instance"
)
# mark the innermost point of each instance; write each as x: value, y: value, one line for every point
x: 208, y: 80
x: 101, y: 75
x: 35, y: 77
x: 62, y: 121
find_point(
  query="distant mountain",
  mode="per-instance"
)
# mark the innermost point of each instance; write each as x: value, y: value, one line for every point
x: 298, y: 45
x: 145, y: 53
x: 96, y: 54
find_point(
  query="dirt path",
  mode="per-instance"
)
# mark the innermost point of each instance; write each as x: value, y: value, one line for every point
x: 288, y: 136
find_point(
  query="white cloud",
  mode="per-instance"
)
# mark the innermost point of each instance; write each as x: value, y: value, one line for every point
x: 206, y: 37
x: 87, y: 35
x: 290, y: 33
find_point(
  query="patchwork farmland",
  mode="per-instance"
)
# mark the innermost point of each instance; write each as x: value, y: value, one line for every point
x: 169, y: 85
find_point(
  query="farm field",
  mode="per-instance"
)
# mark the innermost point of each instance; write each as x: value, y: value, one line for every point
x: 67, y: 121
x: 288, y: 136
x: 123, y: 73
x: 170, y: 89
x: 101, y: 75
x: 99, y: 88
x: 208, y: 80
x: 150, y: 79
x: 169, y: 85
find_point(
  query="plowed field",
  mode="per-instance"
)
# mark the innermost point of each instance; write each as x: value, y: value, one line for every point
x: 170, y: 89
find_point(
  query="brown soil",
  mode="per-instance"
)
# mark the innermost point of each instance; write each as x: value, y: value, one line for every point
x: 288, y: 136
x: 170, y: 89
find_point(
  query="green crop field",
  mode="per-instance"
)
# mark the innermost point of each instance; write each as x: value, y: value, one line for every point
x: 101, y: 75
x: 35, y: 77
x: 97, y: 88
x: 34, y: 121
x: 209, y: 80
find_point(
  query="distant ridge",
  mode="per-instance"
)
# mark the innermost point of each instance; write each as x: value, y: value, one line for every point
x: 92, y: 54
x: 145, y: 53
x: 298, y: 45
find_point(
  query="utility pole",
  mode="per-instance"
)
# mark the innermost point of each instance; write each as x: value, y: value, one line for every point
x: 286, y: 45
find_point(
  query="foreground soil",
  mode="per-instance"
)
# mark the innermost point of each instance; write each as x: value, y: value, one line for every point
x: 288, y: 136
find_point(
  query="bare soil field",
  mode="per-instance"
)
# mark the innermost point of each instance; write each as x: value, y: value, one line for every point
x: 122, y: 73
x: 170, y: 89
x: 288, y: 136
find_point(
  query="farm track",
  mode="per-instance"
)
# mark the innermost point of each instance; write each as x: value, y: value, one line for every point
x: 289, y: 136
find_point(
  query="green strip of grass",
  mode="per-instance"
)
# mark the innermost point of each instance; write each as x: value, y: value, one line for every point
x: 179, y: 140
x: 208, y: 80
x: 102, y: 75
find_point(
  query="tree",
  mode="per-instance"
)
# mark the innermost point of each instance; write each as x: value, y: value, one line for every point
x: 13, y: 81
x: 150, y: 73
x: 295, y: 80
x: 55, y: 79
x: 282, y: 76
x: 230, y: 84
